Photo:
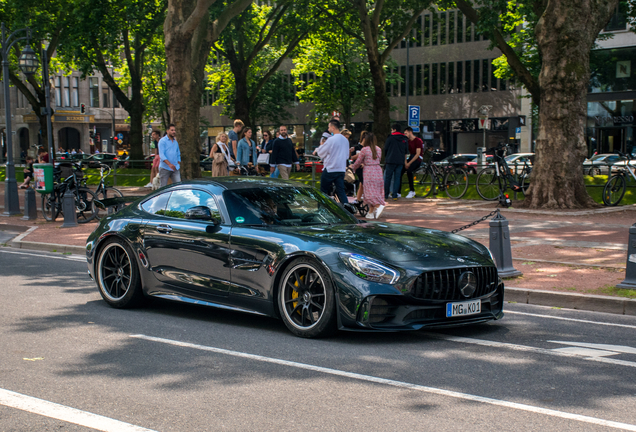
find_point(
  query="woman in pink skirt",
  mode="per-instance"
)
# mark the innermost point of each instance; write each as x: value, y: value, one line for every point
x: 369, y: 157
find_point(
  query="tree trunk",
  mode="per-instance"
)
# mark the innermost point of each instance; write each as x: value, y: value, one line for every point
x: 241, y: 97
x: 565, y: 35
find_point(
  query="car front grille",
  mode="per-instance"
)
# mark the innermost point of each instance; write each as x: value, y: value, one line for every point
x: 442, y: 284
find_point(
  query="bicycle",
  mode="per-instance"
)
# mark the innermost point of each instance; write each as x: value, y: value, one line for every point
x: 493, y: 181
x: 103, y: 191
x: 84, y: 198
x: 452, y: 179
x: 615, y: 188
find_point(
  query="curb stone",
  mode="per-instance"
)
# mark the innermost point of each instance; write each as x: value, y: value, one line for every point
x: 44, y: 247
x: 588, y: 302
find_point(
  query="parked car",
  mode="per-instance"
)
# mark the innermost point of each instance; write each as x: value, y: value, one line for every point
x: 94, y: 161
x: 311, y: 160
x: 519, y: 159
x: 282, y: 249
x: 600, y: 164
x: 468, y: 161
x: 206, y: 163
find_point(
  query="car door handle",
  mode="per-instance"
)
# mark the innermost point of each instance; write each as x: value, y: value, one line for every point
x: 164, y: 229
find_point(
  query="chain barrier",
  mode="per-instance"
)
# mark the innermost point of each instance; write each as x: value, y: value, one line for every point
x: 472, y: 224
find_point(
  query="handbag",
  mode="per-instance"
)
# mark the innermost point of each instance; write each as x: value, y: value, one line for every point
x: 263, y: 159
x: 350, y: 177
x: 219, y: 158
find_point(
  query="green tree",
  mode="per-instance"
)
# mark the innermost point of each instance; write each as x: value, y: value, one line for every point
x: 116, y: 34
x: 342, y: 77
x: 48, y: 22
x: 380, y: 25
x: 564, y: 32
x: 190, y: 29
x: 254, y: 46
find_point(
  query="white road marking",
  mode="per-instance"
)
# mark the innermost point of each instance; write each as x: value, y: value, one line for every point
x: 64, y: 413
x: 516, y: 347
x: 616, y: 348
x: 572, y: 319
x: 585, y: 352
x: 394, y: 383
x: 63, y: 257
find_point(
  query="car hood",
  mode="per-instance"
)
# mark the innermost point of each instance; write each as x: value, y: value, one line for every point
x: 400, y: 244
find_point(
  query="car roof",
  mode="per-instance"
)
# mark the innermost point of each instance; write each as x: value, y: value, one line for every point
x: 243, y: 182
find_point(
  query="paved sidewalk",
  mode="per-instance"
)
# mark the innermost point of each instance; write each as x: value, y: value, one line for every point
x: 572, y: 253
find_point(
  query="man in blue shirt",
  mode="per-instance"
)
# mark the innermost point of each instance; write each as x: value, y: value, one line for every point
x: 170, y: 157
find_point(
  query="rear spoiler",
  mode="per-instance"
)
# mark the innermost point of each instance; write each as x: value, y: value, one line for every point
x: 117, y: 203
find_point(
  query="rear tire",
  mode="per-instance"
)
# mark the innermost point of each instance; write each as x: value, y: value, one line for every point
x: 49, y: 207
x: 614, y: 190
x: 488, y: 184
x: 428, y: 182
x: 456, y: 183
x: 117, y: 275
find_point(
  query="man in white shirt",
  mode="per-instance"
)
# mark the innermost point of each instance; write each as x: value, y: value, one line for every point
x: 334, y: 154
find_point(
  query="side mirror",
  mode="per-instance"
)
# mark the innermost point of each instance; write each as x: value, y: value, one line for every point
x: 199, y: 213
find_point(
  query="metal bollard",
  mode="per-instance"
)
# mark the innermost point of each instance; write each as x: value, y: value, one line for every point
x: 30, y: 207
x: 500, y: 247
x: 68, y: 207
x: 630, y: 269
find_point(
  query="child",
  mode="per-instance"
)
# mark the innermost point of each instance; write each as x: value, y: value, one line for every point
x: 28, y: 173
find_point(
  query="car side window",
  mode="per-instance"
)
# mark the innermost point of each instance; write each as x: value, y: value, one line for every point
x: 156, y: 204
x: 182, y: 200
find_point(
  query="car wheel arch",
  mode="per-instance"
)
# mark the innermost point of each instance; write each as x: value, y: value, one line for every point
x: 102, y: 242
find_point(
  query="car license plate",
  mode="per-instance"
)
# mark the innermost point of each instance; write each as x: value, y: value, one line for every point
x: 463, y: 308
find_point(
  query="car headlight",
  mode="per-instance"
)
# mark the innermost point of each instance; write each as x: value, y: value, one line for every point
x: 369, y: 269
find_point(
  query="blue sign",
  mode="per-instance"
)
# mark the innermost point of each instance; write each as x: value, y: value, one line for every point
x: 518, y: 133
x: 414, y: 117
x: 120, y: 136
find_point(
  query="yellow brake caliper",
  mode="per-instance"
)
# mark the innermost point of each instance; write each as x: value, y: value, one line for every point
x: 295, y: 295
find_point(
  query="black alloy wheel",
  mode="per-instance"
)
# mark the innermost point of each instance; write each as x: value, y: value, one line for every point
x: 117, y: 275
x: 306, y: 300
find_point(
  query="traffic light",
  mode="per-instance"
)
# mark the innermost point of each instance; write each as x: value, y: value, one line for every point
x: 83, y: 108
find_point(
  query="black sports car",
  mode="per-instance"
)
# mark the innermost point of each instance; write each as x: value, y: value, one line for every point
x: 282, y: 249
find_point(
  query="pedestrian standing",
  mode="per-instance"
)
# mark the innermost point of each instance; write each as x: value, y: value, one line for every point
x: 354, y: 152
x: 334, y: 153
x: 284, y: 155
x: 246, y: 151
x: 395, y: 149
x: 170, y: 157
x: 416, y: 150
x: 369, y: 158
x: 155, y: 136
x: 220, y: 154
x: 233, y: 136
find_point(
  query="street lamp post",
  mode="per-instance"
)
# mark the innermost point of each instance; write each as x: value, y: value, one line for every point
x: 28, y: 64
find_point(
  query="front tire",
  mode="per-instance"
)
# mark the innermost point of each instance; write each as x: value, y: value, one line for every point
x: 428, y: 182
x: 488, y: 184
x: 614, y: 190
x: 306, y: 300
x: 456, y: 183
x: 117, y: 275
x: 49, y: 207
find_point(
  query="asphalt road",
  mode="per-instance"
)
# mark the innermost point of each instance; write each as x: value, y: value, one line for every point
x: 68, y: 360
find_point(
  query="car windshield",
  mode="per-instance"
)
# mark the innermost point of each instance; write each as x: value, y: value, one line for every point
x: 284, y: 205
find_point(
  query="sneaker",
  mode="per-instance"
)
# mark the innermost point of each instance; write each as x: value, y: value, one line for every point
x: 148, y: 186
x: 379, y: 211
x: 355, y: 201
x: 411, y: 194
x: 370, y: 216
x: 395, y: 199
x: 399, y: 195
